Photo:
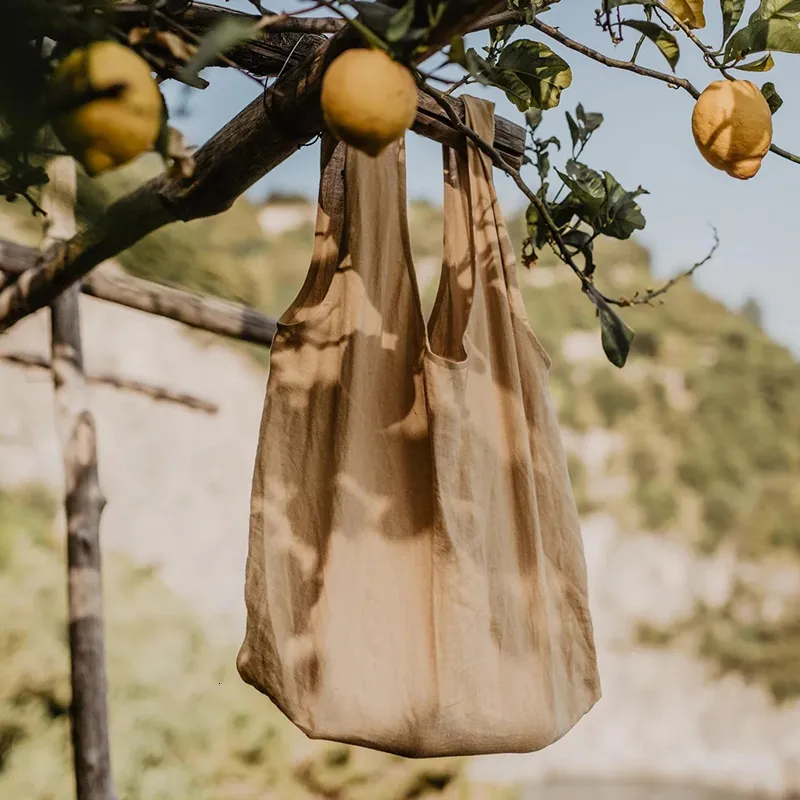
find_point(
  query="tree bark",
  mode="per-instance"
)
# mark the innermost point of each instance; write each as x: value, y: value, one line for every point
x: 204, y: 312
x: 262, y: 136
x: 84, y: 505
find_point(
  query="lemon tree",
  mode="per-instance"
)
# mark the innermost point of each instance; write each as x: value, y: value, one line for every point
x: 88, y: 70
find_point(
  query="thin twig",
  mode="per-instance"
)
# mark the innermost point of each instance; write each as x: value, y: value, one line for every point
x: 615, y: 63
x: 458, y: 84
x: 161, y: 393
x: 651, y: 294
x: 708, y: 55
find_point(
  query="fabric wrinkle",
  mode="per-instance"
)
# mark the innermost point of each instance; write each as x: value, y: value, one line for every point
x: 415, y: 580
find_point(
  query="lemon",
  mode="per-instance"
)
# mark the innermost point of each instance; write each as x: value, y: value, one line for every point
x: 732, y: 127
x: 368, y: 100
x: 108, y: 131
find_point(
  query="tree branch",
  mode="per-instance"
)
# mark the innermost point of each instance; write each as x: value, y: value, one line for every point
x: 263, y: 55
x: 629, y: 66
x: 196, y: 310
x: 651, y: 294
x: 160, y: 393
x: 263, y: 135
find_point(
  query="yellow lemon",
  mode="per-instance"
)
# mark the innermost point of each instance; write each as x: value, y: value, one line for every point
x: 110, y: 130
x: 368, y: 100
x: 732, y: 127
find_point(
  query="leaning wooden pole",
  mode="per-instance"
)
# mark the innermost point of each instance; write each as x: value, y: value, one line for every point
x: 84, y: 505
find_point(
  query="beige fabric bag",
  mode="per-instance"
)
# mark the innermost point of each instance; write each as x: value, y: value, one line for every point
x: 416, y: 579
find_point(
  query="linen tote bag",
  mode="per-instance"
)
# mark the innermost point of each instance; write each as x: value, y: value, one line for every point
x: 415, y: 581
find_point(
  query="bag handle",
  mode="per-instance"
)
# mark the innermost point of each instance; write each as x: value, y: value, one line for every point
x: 452, y: 308
x: 310, y: 301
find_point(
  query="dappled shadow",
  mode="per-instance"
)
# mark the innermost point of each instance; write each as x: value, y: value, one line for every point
x: 415, y: 577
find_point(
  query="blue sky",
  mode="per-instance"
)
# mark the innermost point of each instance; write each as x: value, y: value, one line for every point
x: 646, y: 139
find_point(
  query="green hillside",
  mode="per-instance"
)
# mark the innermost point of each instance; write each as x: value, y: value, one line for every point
x: 183, y: 724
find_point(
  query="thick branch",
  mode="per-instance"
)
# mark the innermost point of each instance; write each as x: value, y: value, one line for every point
x: 263, y: 135
x: 160, y: 393
x: 196, y: 310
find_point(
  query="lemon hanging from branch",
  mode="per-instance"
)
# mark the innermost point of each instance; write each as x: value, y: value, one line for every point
x: 108, y: 106
x: 368, y: 99
x: 732, y: 127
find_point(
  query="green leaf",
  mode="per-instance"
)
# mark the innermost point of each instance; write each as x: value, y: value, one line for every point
x: 600, y: 201
x: 228, y: 33
x: 776, y: 9
x: 401, y: 22
x: 436, y: 12
x: 502, y: 33
x: 544, y: 163
x: 530, y: 73
x: 552, y: 140
x: 663, y: 40
x: 616, y: 336
x: 731, y: 14
x: 623, y: 215
x: 457, y: 53
x: 586, y: 186
x: 536, y: 227
x: 763, y: 64
x: 591, y: 120
x: 581, y: 130
x: 542, y: 72
x: 583, y: 242
x: 574, y: 130
x: 379, y: 23
x: 161, y: 145
x: 376, y: 16
x: 563, y: 213
x: 531, y: 7
x: 774, y: 100
x: 777, y: 35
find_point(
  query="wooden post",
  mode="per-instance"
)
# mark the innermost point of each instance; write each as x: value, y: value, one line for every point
x: 84, y: 505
